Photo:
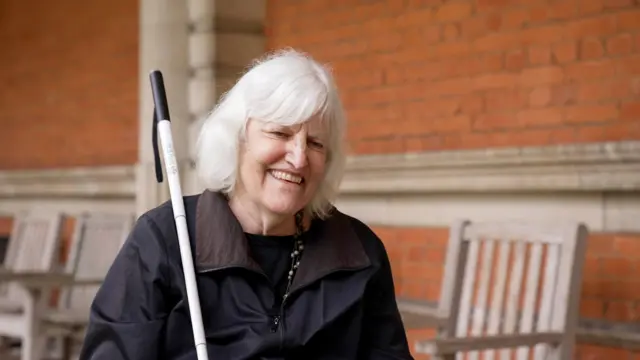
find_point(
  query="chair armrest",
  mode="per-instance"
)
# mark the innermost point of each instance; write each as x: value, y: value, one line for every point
x: 418, y: 314
x: 451, y: 346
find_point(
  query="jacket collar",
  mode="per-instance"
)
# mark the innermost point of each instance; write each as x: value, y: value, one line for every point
x: 330, y: 245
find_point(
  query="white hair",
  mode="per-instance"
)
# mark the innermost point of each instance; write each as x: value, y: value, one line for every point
x: 285, y: 87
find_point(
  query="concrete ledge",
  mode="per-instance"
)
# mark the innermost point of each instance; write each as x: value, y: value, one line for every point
x: 612, y: 166
x: 86, y: 182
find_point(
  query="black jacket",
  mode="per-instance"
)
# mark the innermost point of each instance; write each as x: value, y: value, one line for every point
x: 342, y: 304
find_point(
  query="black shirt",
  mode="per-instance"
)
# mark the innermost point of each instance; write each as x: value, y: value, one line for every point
x: 273, y: 254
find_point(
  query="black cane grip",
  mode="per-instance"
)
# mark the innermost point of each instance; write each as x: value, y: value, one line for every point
x: 159, y: 95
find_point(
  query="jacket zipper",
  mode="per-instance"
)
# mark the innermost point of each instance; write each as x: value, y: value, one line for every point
x: 280, y: 316
x: 278, y: 321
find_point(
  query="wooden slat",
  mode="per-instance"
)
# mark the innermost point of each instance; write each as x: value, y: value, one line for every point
x: 462, y: 344
x: 479, y: 316
x: 497, y: 300
x: 548, y: 295
x: 466, y: 301
x: 513, y: 294
x: 530, y: 295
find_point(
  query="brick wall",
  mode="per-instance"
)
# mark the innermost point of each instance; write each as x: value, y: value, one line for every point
x: 69, y: 76
x: 434, y: 74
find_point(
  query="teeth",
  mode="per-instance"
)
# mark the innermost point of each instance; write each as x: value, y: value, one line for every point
x: 286, y: 176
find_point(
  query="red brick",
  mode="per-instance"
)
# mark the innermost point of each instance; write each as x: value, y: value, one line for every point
x: 544, y: 35
x: 590, y: 49
x: 634, y: 86
x: 492, y: 4
x: 515, y: 18
x: 422, y: 271
x: 413, y: 72
x: 565, y: 52
x: 378, y: 129
x: 630, y: 111
x: 628, y: 20
x: 494, y: 81
x: 588, y: 7
x: 472, y: 104
x: 562, y: 10
x: 609, y: 90
x: 452, y: 49
x: 618, y: 266
x: 501, y: 100
x: 497, y: 42
x: 6, y: 223
x: 455, y: 86
x: 539, y: 117
x: 515, y: 60
x: 454, y: 10
x: 539, y: 55
x: 495, y: 121
x: 487, y: 63
x: 591, y: 70
x: 461, y: 123
x: 628, y: 66
x: 361, y: 79
x: 591, y: 308
x: 591, y: 113
x: 620, y: 44
x: 602, y: 25
x: 610, y: 131
x: 540, y: 97
x: 451, y: 32
x: 626, y: 245
x: 432, y: 108
x: 542, y: 76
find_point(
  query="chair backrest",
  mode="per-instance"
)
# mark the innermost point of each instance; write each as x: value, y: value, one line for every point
x: 514, y: 278
x: 34, y: 245
x: 96, y: 241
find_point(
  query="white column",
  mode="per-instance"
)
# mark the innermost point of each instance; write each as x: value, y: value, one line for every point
x: 163, y: 46
x: 202, y: 81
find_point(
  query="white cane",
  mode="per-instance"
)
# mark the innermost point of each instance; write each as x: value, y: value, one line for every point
x: 162, y: 121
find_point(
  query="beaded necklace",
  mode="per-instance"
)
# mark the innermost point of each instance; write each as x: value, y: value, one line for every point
x: 296, y: 253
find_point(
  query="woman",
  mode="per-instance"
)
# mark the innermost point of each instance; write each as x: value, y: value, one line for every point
x: 281, y: 273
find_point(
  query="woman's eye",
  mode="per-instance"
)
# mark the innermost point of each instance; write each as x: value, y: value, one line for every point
x: 316, y: 144
x: 279, y: 134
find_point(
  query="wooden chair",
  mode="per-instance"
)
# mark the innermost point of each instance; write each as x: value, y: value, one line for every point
x: 33, y: 246
x: 97, y: 239
x: 482, y: 306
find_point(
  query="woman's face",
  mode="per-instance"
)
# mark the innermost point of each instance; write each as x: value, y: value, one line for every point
x: 281, y: 167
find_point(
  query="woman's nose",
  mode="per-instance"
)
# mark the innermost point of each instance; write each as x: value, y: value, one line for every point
x: 297, y: 154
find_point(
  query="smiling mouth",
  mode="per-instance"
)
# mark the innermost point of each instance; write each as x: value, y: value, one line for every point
x: 286, y: 176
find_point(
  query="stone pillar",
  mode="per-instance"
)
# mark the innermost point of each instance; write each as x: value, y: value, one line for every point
x: 202, y: 74
x: 225, y: 36
x: 164, y: 46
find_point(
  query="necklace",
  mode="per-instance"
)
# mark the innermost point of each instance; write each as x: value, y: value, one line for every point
x: 296, y: 253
